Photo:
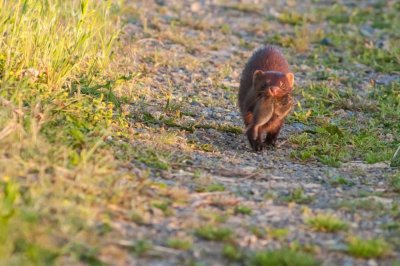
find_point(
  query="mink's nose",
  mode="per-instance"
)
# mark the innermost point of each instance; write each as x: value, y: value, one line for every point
x: 275, y: 91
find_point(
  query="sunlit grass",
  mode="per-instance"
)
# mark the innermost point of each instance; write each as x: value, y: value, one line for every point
x: 52, y: 153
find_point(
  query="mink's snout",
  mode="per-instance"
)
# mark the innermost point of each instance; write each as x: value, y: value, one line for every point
x: 274, y: 91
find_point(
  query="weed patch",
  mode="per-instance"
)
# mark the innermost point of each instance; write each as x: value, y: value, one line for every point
x: 326, y: 223
x: 214, y: 233
x: 368, y: 248
x: 282, y: 257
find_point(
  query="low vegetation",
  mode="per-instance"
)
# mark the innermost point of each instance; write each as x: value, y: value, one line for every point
x: 214, y: 233
x: 282, y: 257
x: 326, y: 223
x: 120, y: 138
x: 368, y: 248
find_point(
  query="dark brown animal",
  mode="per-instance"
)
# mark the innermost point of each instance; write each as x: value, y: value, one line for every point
x: 265, y: 96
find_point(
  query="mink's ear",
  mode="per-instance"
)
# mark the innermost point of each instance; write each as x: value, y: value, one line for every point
x: 290, y: 78
x: 257, y: 77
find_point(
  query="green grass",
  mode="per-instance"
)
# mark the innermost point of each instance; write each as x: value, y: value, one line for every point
x: 333, y: 141
x: 181, y: 244
x: 292, y: 18
x: 368, y: 204
x: 210, y: 188
x: 326, y: 223
x: 232, y: 252
x: 281, y: 257
x: 242, y: 209
x: 214, y: 233
x: 395, y: 162
x: 368, y: 248
x: 298, y: 196
x: 259, y: 232
x: 357, y: 133
x: 278, y: 233
x: 246, y: 7
x: 340, y: 181
x: 80, y: 143
x: 395, y: 183
x: 58, y: 105
x: 141, y: 247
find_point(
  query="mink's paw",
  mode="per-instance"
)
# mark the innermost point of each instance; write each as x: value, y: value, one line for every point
x: 255, y: 140
x: 271, y: 142
x: 258, y: 145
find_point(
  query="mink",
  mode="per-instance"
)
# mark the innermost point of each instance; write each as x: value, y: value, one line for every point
x: 265, y: 96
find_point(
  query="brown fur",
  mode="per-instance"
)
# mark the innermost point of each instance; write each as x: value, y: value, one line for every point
x: 265, y: 95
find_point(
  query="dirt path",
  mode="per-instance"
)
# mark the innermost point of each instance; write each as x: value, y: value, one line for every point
x: 187, y: 121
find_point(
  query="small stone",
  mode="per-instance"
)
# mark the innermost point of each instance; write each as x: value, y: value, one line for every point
x: 195, y: 7
x: 193, y: 103
x: 326, y: 42
x: 304, y: 68
x: 366, y: 30
x: 160, y: 2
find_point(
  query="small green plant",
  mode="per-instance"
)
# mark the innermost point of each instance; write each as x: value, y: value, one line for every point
x: 212, y: 188
x: 246, y: 7
x: 278, y: 233
x: 207, y: 147
x: 226, y: 29
x: 181, y: 244
x: 395, y: 183
x: 86, y: 254
x: 282, y: 257
x: 368, y: 248
x: 214, y: 233
x: 308, y: 248
x: 326, y: 223
x: 164, y: 206
x: 391, y: 226
x: 395, y: 162
x: 230, y: 129
x: 153, y: 158
x: 297, y: 195
x: 257, y: 231
x: 368, y: 204
x: 340, y: 180
x: 292, y: 18
x: 232, y: 252
x: 141, y: 247
x: 241, y: 209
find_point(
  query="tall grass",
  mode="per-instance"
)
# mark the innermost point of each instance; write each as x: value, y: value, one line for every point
x: 55, y: 169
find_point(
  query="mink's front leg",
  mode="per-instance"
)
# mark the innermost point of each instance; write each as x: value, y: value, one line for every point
x: 273, y: 128
x: 262, y: 113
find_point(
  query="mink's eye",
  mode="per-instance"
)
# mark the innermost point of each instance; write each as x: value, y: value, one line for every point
x: 266, y: 84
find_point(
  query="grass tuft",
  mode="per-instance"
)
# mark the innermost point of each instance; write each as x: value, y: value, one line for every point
x: 232, y: 252
x: 181, y: 244
x: 395, y: 183
x: 326, y: 223
x: 213, y: 233
x: 298, y: 196
x: 368, y: 248
x: 282, y: 257
x: 241, y: 209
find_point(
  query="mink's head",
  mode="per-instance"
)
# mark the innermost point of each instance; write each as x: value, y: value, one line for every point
x: 272, y: 83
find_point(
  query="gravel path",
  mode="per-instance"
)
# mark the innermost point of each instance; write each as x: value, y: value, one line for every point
x: 193, y: 52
